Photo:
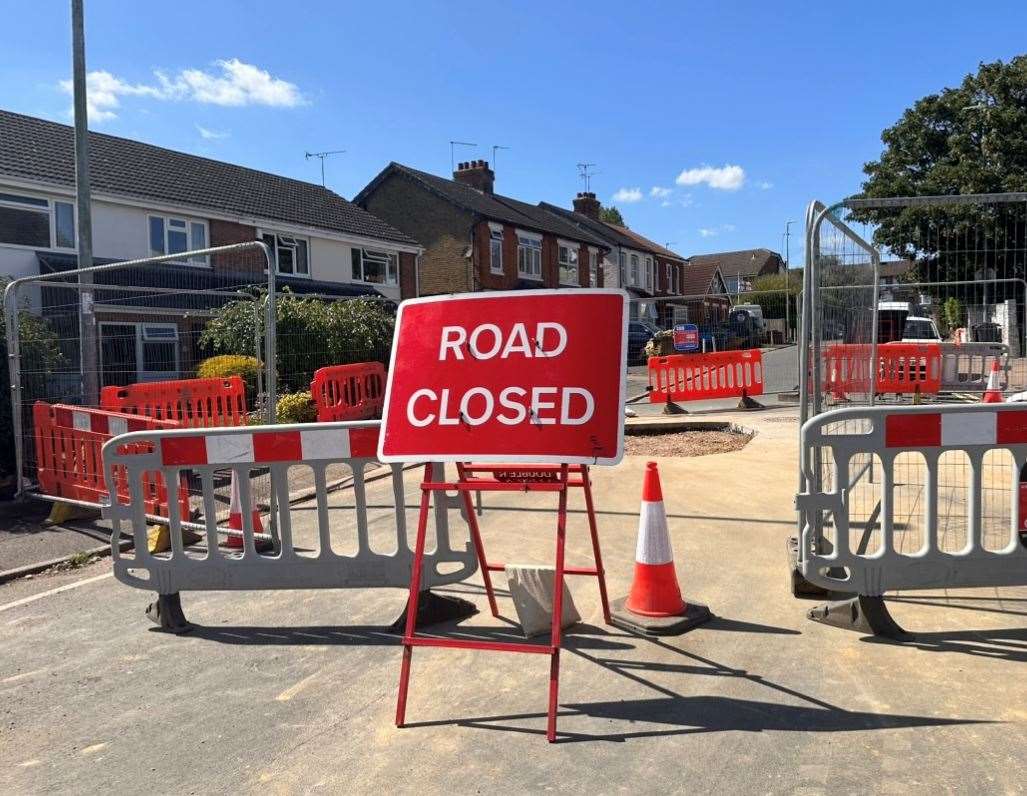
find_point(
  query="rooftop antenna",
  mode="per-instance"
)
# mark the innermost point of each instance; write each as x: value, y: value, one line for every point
x: 322, y: 156
x: 494, y: 148
x: 669, y: 243
x: 586, y: 175
x: 452, y: 159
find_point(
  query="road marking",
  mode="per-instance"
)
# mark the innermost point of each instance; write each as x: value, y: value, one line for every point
x: 66, y: 587
x: 292, y: 690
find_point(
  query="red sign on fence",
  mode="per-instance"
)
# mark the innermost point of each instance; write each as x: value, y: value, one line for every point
x: 526, y: 376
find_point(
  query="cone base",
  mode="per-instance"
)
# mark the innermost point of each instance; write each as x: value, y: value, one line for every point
x: 694, y: 615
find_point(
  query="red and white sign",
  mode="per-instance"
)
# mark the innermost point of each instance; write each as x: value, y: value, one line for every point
x: 525, y: 376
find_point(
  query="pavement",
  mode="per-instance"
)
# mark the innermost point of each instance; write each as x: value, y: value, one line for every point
x: 26, y: 540
x: 294, y: 691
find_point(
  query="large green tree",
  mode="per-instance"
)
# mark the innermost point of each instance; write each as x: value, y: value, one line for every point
x: 611, y: 215
x: 967, y: 139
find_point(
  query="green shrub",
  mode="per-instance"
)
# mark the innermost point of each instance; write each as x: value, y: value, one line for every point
x: 221, y: 367
x: 296, y: 407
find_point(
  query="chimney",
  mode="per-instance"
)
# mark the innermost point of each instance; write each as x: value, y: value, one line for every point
x: 477, y: 174
x: 587, y: 205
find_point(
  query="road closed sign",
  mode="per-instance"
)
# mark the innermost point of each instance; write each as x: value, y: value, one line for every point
x: 525, y: 376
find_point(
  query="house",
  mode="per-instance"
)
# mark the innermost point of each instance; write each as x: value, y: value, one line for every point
x: 643, y: 268
x: 475, y: 239
x: 706, y: 303
x: 147, y: 200
x: 741, y: 268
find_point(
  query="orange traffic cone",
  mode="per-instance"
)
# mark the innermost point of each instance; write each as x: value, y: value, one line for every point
x: 235, y: 522
x: 993, y: 395
x: 654, y: 605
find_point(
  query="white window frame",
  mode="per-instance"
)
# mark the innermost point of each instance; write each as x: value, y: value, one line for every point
x: 649, y: 275
x: 204, y: 262
x: 572, y: 249
x: 593, y: 266
x: 669, y: 274
x: 391, y: 275
x: 525, y: 238
x: 274, y: 250
x: 634, y: 276
x: 495, y: 236
x: 50, y: 210
x: 140, y: 338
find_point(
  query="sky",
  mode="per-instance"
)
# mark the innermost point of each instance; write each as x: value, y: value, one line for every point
x: 710, y: 124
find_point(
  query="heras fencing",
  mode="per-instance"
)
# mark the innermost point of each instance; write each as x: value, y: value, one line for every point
x: 907, y: 301
x: 132, y: 337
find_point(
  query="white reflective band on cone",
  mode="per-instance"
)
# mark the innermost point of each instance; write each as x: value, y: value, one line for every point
x: 653, y: 537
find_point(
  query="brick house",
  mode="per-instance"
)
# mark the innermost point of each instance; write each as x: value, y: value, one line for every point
x: 146, y: 201
x: 645, y: 269
x: 741, y: 268
x: 475, y: 239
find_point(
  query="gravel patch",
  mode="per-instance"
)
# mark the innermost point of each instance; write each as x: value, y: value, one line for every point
x: 686, y: 443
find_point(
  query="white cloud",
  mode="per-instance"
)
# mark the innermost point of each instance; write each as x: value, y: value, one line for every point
x: 766, y: 186
x: 712, y: 232
x: 660, y: 193
x: 724, y: 178
x: 666, y: 203
x: 237, y: 84
x: 211, y: 135
x: 628, y: 195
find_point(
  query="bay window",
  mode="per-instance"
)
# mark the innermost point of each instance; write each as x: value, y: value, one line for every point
x: 290, y: 254
x: 529, y: 255
x: 173, y: 235
x: 36, y: 222
x: 567, y: 258
x: 375, y: 267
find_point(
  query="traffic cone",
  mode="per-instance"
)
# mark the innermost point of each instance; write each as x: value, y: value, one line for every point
x: 654, y: 605
x: 235, y: 522
x: 993, y: 395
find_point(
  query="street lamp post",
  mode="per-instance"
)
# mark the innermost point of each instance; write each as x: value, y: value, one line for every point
x: 788, y: 312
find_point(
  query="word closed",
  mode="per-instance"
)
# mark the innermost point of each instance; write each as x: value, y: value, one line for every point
x: 523, y: 376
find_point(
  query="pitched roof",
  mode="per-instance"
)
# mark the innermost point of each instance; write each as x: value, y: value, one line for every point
x: 896, y: 268
x: 493, y: 206
x: 644, y: 242
x: 699, y: 277
x: 739, y: 263
x: 44, y: 151
x: 607, y: 232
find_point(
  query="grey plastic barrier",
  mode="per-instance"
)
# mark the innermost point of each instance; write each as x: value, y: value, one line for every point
x: 200, y: 453
x: 966, y: 366
x: 845, y: 564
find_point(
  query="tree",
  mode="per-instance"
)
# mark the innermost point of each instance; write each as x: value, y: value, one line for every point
x: 968, y: 139
x: 611, y: 215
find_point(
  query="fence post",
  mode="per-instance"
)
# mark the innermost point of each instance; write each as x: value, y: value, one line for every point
x: 14, y: 376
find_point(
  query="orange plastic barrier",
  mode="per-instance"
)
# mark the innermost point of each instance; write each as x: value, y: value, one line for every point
x: 69, y: 440
x: 902, y: 368
x: 699, y: 377
x: 349, y: 392
x: 196, y: 403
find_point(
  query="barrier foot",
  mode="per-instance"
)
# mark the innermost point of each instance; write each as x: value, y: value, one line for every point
x: 671, y: 408
x: 61, y: 513
x: 748, y: 403
x: 862, y: 614
x: 695, y: 614
x: 802, y: 588
x: 166, y: 612
x: 433, y: 609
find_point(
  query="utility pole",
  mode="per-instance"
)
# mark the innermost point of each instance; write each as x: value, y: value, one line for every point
x: 88, y: 338
x: 788, y: 264
x: 322, y: 156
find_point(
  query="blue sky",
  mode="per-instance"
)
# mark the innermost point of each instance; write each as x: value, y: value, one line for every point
x: 735, y: 113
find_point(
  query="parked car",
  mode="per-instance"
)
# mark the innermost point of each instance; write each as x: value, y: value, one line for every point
x: 639, y: 333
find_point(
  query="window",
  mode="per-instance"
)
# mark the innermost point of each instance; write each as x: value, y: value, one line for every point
x: 496, y: 249
x: 290, y: 254
x: 131, y: 352
x: 593, y: 268
x: 529, y: 256
x: 171, y: 235
x: 649, y: 273
x: 36, y: 222
x: 160, y: 349
x: 622, y: 268
x: 568, y: 260
x: 377, y: 268
x: 668, y: 278
x: 634, y: 270
x: 676, y: 279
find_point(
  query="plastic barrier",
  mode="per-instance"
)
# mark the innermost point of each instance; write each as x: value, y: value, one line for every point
x: 905, y: 559
x: 965, y: 366
x: 349, y: 392
x: 277, y: 448
x: 197, y: 403
x: 69, y: 440
x: 902, y: 368
x: 699, y: 377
